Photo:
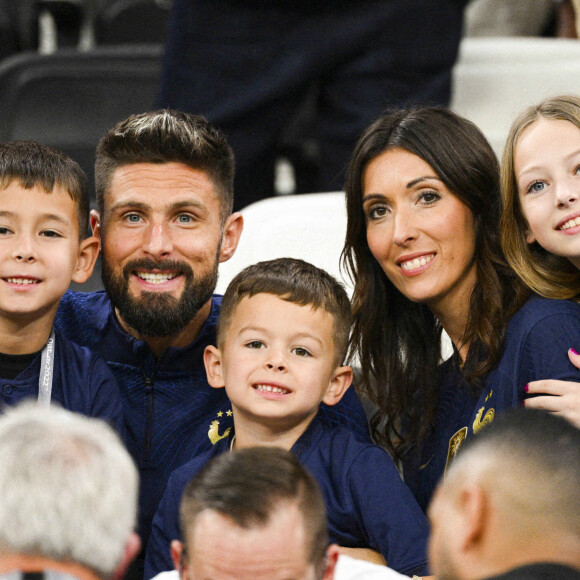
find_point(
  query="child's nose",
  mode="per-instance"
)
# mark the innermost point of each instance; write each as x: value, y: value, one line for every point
x: 24, y: 250
x: 566, y: 194
x: 276, y: 362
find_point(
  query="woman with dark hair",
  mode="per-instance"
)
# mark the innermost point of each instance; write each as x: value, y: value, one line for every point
x: 423, y: 249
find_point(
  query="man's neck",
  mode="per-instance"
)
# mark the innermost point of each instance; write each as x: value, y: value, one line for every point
x: 181, y: 339
x: 554, y: 548
x: 21, y: 336
x: 25, y: 563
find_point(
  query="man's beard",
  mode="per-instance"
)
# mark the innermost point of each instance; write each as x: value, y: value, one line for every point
x: 158, y: 314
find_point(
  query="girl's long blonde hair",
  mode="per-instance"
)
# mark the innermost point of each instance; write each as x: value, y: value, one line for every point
x: 546, y: 274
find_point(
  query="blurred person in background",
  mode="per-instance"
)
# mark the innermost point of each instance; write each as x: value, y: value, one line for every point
x: 249, y: 65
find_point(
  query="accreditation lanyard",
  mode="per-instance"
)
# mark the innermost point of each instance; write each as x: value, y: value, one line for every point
x: 46, y: 371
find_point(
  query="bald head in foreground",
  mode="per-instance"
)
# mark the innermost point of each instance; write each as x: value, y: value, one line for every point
x: 68, y: 497
x: 509, y: 507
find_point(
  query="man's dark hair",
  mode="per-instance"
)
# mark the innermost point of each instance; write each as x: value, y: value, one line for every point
x: 248, y: 486
x: 538, y: 450
x: 536, y: 435
x: 36, y: 165
x: 166, y: 136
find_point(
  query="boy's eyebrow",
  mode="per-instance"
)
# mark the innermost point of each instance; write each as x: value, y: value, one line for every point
x: 297, y: 336
x: 55, y: 217
x: 306, y: 335
x: 44, y: 216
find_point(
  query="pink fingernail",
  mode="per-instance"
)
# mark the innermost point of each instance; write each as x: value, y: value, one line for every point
x: 523, y: 403
x: 573, y: 351
x: 527, y: 388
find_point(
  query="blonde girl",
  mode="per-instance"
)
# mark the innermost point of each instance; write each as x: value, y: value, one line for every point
x: 540, y: 225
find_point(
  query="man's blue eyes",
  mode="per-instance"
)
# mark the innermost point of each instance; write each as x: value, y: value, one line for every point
x: 135, y: 218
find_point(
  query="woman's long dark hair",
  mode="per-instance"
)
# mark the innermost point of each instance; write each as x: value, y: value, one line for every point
x: 398, y: 342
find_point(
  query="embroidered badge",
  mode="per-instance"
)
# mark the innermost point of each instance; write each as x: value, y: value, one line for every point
x: 480, y: 423
x: 213, y: 433
x: 454, y: 444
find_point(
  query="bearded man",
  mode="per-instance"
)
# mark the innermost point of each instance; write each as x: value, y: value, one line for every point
x: 164, y: 184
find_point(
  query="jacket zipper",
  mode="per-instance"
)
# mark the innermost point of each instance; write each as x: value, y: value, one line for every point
x: 149, y: 417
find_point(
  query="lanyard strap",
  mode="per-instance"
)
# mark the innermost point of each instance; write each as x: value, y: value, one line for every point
x: 46, y: 371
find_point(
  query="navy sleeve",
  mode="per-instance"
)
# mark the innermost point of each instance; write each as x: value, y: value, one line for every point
x: 106, y: 401
x: 544, y: 348
x: 84, y: 383
x: 165, y: 529
x: 390, y: 517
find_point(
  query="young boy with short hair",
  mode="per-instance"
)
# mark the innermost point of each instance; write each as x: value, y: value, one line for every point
x: 44, y: 214
x: 282, y: 336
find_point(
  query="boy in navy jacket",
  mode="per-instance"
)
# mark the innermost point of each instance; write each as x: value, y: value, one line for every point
x: 44, y: 213
x: 282, y: 336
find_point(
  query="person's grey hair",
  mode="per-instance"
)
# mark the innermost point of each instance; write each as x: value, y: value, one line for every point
x: 68, y: 488
x: 166, y: 136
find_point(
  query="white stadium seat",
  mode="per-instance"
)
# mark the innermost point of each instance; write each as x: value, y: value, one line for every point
x: 495, y: 78
x: 310, y: 226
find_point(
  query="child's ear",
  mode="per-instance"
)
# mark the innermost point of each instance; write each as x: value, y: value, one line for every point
x: 88, y: 254
x: 530, y: 238
x: 212, y: 359
x: 339, y: 383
